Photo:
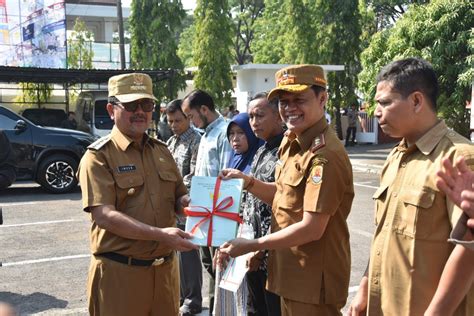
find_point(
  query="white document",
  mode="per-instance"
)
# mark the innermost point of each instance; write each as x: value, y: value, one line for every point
x: 237, y: 267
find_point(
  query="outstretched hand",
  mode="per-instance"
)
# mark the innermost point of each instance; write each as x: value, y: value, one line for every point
x: 237, y: 247
x: 177, y: 239
x: 457, y: 182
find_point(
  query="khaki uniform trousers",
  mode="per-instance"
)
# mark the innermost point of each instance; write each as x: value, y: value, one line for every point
x: 294, y: 308
x: 118, y: 289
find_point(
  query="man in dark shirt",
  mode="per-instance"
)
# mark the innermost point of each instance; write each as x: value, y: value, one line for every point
x: 184, y: 145
x: 266, y: 123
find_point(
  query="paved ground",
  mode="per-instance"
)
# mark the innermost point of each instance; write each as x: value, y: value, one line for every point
x: 44, y: 241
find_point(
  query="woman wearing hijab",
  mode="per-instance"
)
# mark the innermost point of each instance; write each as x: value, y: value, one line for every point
x: 243, y: 141
x: 244, y: 145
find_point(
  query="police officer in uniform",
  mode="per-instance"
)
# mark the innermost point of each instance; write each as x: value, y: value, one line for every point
x: 309, y: 257
x: 132, y: 189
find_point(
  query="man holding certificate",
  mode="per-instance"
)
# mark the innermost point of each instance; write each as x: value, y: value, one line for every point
x: 309, y: 257
x: 132, y: 189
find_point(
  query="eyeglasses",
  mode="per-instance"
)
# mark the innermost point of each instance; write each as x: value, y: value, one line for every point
x: 147, y: 105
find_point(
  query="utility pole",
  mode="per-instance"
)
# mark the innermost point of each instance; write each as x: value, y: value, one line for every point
x: 121, y: 40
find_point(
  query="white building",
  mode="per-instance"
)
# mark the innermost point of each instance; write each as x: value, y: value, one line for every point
x: 255, y: 78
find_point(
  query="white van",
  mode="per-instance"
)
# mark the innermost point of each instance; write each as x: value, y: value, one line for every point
x: 91, y: 113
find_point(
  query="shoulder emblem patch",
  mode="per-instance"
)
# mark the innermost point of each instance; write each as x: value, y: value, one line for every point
x: 317, y: 174
x: 98, y: 144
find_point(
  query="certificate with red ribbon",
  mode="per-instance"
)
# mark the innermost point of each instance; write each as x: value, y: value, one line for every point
x: 213, y: 214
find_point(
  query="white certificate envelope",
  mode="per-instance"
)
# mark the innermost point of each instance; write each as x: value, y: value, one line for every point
x: 237, y: 267
x: 202, y: 194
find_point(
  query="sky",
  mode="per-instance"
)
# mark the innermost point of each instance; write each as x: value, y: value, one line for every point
x: 187, y: 4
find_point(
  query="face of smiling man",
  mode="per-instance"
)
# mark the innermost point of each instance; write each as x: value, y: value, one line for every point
x: 301, y: 110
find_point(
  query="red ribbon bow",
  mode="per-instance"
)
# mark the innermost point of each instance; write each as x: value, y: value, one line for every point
x: 216, y: 211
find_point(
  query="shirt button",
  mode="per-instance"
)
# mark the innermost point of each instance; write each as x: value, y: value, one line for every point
x: 395, y: 194
x: 378, y: 252
x: 404, y: 164
x: 376, y: 281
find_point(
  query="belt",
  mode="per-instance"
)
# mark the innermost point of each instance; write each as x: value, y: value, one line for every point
x: 135, y: 262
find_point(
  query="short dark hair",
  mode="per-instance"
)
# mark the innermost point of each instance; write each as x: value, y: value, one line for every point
x: 264, y: 95
x: 198, y: 98
x: 317, y: 89
x: 174, y: 106
x: 409, y: 75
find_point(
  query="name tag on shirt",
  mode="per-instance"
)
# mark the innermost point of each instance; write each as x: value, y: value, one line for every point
x: 127, y: 168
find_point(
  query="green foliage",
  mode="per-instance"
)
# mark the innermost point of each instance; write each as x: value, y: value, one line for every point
x: 270, y: 33
x: 33, y: 93
x: 153, y: 26
x: 212, y: 50
x: 185, y: 47
x: 244, y: 13
x: 387, y: 12
x: 80, y: 53
x: 440, y: 32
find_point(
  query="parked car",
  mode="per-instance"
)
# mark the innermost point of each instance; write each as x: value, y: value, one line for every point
x: 45, y: 117
x: 91, y: 112
x: 49, y: 156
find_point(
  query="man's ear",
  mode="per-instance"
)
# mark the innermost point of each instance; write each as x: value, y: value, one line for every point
x: 204, y: 110
x: 110, y: 110
x: 323, y: 98
x: 418, y: 101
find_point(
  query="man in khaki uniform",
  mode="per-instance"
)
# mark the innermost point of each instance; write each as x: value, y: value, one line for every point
x: 132, y: 189
x: 410, y: 251
x: 309, y: 257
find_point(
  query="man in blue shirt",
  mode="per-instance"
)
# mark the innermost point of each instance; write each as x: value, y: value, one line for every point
x: 213, y: 155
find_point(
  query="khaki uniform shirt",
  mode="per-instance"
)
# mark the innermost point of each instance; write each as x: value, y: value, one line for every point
x: 313, y: 174
x: 414, y: 219
x: 141, y: 183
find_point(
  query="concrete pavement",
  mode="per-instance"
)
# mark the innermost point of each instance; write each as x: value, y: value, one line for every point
x: 369, y: 157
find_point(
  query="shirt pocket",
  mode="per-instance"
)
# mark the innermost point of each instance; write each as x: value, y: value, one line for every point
x: 414, y: 216
x: 379, y: 198
x: 167, y: 187
x: 129, y: 191
x: 293, y: 189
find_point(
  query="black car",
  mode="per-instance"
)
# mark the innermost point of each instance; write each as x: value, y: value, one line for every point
x: 45, y: 117
x: 49, y: 156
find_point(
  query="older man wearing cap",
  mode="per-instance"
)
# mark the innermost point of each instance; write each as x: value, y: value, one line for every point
x: 132, y: 189
x: 309, y: 257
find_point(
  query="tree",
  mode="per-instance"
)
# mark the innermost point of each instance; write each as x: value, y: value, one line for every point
x: 33, y: 93
x: 387, y: 12
x: 80, y: 53
x: 270, y: 33
x: 245, y: 13
x: 212, y: 50
x: 339, y: 43
x: 440, y: 32
x: 185, y: 47
x: 153, y: 27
